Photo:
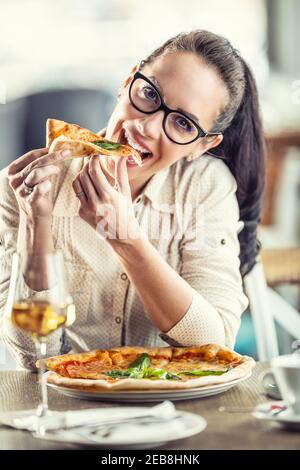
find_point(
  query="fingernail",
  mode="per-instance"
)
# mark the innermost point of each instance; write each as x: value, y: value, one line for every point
x: 65, y: 153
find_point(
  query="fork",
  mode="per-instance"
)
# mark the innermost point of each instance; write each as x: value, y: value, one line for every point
x: 106, y: 430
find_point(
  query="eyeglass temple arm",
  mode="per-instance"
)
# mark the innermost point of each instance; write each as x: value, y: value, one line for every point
x: 212, y: 134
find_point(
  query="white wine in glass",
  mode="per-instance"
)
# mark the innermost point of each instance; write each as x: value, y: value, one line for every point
x: 39, y: 303
x: 40, y: 317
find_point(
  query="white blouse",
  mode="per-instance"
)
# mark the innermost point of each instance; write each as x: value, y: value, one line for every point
x: 190, y: 214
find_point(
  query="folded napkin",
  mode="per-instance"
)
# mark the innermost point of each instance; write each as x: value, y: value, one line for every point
x: 141, y: 430
x: 57, y: 420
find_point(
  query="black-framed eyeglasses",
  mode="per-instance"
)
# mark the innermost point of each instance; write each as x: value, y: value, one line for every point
x: 179, y: 128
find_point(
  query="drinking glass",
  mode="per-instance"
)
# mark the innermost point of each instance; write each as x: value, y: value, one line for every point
x: 39, y: 303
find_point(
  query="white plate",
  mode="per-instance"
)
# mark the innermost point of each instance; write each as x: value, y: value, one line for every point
x: 146, y: 396
x: 285, y: 417
x: 133, y: 436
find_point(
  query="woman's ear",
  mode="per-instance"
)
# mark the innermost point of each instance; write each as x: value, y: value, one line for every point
x: 128, y: 79
x: 211, y: 142
x: 204, y: 146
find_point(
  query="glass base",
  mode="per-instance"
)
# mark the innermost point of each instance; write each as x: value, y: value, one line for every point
x: 42, y: 411
x: 30, y: 420
x: 41, y: 422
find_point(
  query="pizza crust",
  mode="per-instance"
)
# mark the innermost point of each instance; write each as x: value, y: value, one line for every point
x: 208, y: 352
x: 55, y: 128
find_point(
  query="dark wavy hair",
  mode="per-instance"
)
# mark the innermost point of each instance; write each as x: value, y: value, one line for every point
x: 243, y: 145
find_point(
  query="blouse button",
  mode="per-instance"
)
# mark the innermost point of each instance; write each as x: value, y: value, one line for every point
x: 223, y: 241
x: 124, y: 276
x: 118, y: 320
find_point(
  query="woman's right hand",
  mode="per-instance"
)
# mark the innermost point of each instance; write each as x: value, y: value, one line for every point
x: 33, y: 170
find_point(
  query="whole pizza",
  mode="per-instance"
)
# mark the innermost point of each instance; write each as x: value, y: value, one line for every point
x: 141, y: 368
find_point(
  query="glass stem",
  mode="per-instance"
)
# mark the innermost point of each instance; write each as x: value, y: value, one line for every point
x: 41, y: 349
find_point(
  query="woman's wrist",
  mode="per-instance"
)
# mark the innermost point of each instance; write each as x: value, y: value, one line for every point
x: 35, y: 220
x: 35, y: 234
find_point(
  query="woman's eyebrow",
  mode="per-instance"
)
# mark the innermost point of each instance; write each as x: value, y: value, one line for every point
x: 154, y: 80
x: 156, y: 83
x: 192, y: 116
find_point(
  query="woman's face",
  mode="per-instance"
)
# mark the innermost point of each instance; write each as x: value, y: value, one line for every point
x: 186, y: 83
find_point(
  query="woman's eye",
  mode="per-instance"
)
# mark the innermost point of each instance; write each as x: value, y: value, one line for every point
x: 184, y: 124
x: 150, y: 94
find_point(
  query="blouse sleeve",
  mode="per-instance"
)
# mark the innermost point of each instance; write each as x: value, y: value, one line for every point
x: 210, y: 264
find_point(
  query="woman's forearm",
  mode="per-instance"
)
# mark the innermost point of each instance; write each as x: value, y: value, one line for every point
x: 34, y: 241
x: 164, y: 294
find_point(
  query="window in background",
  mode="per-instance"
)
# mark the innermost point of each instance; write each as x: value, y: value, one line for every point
x: 281, y: 104
x: 95, y: 43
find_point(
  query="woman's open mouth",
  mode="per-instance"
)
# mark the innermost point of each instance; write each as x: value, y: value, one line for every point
x: 127, y: 139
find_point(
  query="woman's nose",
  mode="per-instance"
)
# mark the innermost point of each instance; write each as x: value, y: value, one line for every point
x: 151, y: 125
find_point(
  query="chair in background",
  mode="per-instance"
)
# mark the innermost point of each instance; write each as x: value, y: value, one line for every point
x: 282, y: 266
x: 275, y: 266
x: 12, y: 118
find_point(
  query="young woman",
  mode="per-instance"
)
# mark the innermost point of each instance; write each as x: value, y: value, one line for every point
x: 192, y: 208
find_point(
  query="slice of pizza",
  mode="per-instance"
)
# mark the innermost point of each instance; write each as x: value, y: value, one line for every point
x: 81, y: 142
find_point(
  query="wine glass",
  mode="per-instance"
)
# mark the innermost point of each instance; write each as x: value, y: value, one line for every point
x: 39, y: 303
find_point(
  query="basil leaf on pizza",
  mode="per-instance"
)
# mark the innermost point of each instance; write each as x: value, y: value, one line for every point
x: 140, y: 369
x: 107, y: 145
x: 160, y: 374
x: 203, y: 373
x: 141, y: 363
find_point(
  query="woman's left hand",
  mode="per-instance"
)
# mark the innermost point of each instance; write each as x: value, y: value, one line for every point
x: 108, y: 210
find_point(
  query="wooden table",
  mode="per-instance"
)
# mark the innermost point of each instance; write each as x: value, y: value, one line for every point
x: 225, y: 430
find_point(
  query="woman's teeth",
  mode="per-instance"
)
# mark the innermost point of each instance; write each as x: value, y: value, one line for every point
x: 144, y: 152
x: 130, y: 160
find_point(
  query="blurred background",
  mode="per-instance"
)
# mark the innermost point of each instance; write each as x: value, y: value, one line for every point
x: 66, y: 59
